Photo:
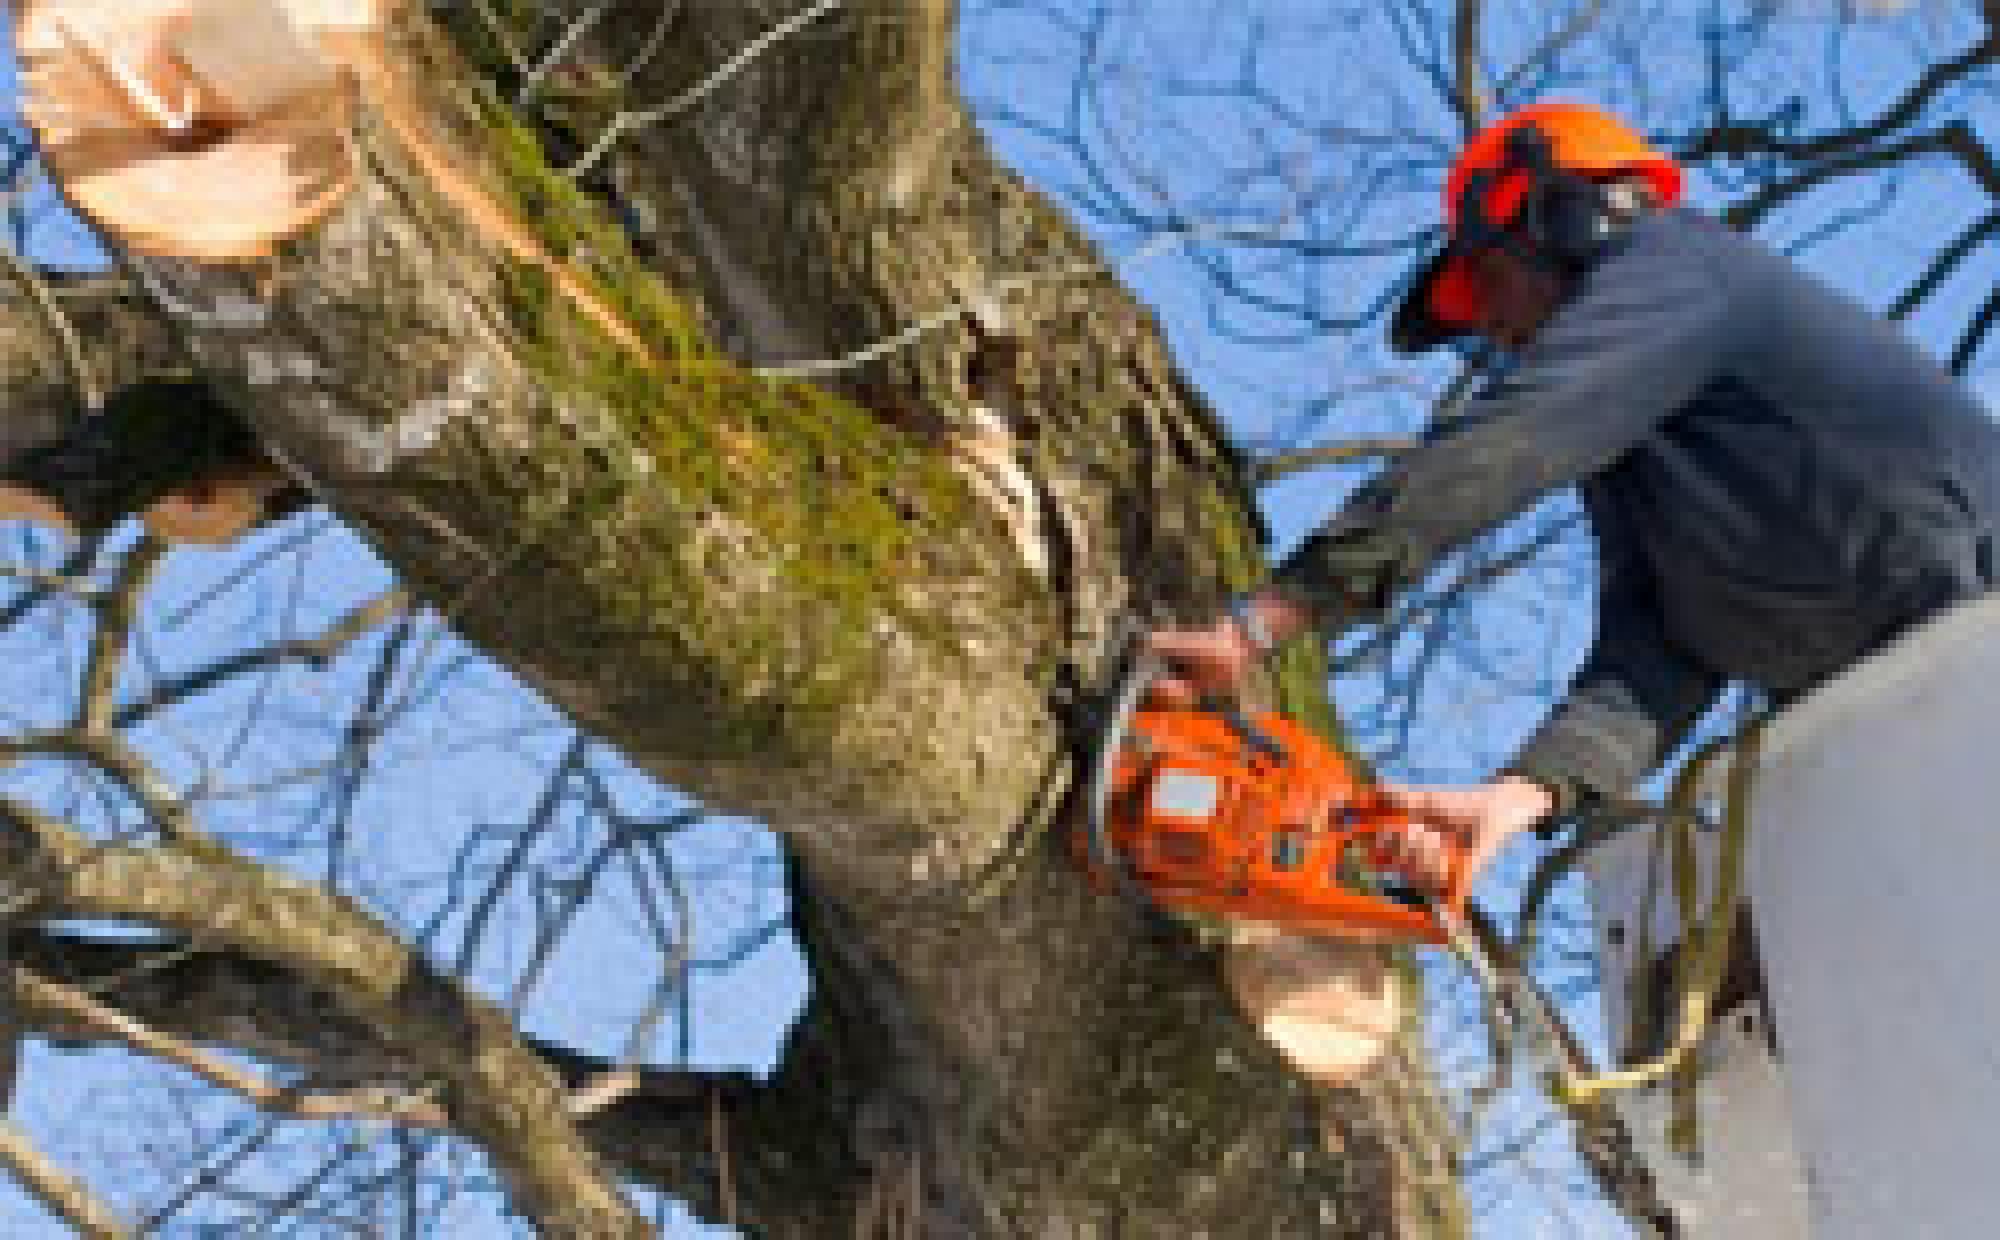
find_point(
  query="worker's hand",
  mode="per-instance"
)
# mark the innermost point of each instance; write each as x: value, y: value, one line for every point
x: 1207, y: 663
x: 1212, y: 662
x: 1480, y: 819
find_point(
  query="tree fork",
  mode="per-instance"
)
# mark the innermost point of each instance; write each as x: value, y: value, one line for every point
x: 808, y: 602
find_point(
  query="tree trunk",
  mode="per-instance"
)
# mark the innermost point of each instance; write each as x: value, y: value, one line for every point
x: 864, y: 605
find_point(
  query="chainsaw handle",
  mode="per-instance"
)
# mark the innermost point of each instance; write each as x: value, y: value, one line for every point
x: 1243, y: 725
x: 1371, y: 807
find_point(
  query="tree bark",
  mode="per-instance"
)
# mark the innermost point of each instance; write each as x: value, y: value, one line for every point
x: 864, y: 606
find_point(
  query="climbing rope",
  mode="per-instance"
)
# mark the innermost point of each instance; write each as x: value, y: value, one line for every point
x: 1706, y: 939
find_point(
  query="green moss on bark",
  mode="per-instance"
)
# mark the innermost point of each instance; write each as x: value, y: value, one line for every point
x: 804, y: 502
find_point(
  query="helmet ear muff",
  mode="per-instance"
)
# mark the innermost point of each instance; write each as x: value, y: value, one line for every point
x: 1565, y: 221
x: 1571, y: 221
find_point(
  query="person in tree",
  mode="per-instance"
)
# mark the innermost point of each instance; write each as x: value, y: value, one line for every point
x: 1778, y: 482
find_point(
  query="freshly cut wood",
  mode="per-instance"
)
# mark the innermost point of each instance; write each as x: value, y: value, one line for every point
x: 251, y: 56
x: 24, y: 503
x: 319, y: 17
x: 215, y: 511
x: 210, y: 511
x: 1331, y: 1007
x: 205, y: 129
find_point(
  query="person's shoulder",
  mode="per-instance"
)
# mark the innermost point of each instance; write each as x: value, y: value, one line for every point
x: 1693, y: 245
x: 1686, y: 228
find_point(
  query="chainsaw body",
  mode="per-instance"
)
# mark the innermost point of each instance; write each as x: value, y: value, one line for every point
x: 1249, y: 817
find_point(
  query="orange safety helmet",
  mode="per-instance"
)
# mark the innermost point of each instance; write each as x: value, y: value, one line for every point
x: 1447, y: 299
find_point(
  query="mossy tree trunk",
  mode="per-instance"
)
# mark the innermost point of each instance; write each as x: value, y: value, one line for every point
x: 860, y: 604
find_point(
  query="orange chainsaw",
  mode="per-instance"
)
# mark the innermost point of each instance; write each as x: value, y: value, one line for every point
x: 1216, y: 811
x: 1255, y: 817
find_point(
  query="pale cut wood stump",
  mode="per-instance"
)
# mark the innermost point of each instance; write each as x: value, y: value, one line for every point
x: 203, y: 129
x: 1331, y: 1007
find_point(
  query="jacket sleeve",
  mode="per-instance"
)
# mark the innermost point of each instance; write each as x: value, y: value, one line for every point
x: 1647, y: 328
x: 1635, y: 696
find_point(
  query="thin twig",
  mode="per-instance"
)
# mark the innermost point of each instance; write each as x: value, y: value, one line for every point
x: 674, y: 972
x: 1975, y: 334
x: 243, y: 571
x: 555, y: 794
x: 163, y: 805
x: 76, y: 566
x: 82, y: 589
x: 979, y: 304
x: 603, y: 1090
x: 1346, y: 452
x: 501, y: 35
x: 74, y: 1005
x: 1947, y: 261
x: 63, y: 1194
x: 358, y: 741
x: 311, y: 651
x: 117, y: 613
x: 1550, y: 48
x: 655, y: 40
x: 68, y: 343
x: 109, y: 753
x: 1469, y: 93
x: 718, y: 1136
x: 1385, y: 636
x: 563, y: 46
x: 626, y: 122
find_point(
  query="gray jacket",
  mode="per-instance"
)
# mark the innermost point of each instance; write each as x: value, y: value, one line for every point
x: 1778, y: 482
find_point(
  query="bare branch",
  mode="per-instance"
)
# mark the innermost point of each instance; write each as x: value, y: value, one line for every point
x: 117, y: 612
x: 502, y: 36
x: 42, y: 581
x: 989, y: 302
x: 577, y: 28
x: 1471, y: 580
x: 1946, y: 262
x: 627, y: 122
x: 652, y: 1122
x: 1346, y: 452
x: 1543, y: 55
x: 311, y: 651
x: 1749, y: 212
x: 1975, y: 333
x: 60, y: 1192
x: 44, y: 999
x: 90, y: 392
x: 1469, y: 95
x: 654, y: 40
x: 1736, y: 139
x: 498, y: 1093
x: 162, y: 803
